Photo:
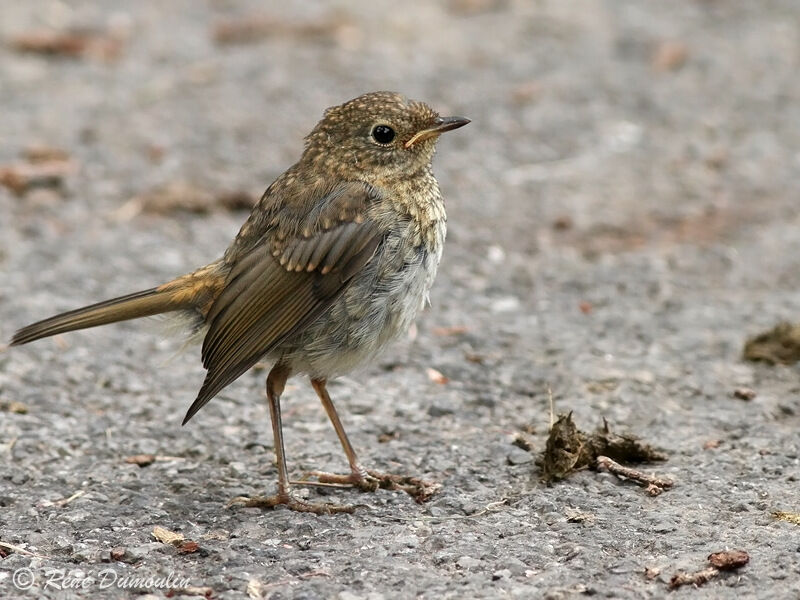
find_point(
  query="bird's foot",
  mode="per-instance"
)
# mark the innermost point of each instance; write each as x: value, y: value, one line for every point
x: 291, y: 502
x: 370, y: 481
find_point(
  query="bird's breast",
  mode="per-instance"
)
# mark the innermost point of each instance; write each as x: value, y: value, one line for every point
x: 378, y: 305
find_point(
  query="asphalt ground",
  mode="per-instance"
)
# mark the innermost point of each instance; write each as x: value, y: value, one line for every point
x: 623, y: 215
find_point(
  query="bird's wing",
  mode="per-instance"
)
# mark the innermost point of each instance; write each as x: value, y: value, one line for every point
x: 284, y: 282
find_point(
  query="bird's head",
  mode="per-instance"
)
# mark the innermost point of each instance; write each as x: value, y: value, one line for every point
x: 377, y: 136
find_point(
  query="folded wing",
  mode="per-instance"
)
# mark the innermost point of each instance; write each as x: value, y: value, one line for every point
x: 285, y: 282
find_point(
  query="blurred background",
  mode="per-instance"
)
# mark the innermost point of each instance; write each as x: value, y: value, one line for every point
x: 623, y: 215
x: 631, y: 123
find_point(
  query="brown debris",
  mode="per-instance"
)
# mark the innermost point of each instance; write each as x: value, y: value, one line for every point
x: 84, y: 43
x: 165, y: 536
x: 563, y: 223
x: 565, y: 451
x: 117, y: 553
x: 142, y: 460
x: 789, y: 517
x: 779, y: 345
x: 728, y: 560
x: 697, y: 578
x: 525, y: 93
x: 711, y: 444
x: 145, y: 460
x: 181, y: 196
x: 474, y: 358
x: 388, y: 436
x: 253, y: 28
x: 436, y: 376
x: 569, y: 449
x: 171, y: 538
x: 744, y: 393
x: 22, y: 176
x: 521, y: 440
x: 17, y: 408
x: 717, y: 158
x: 574, y: 515
x: 236, y: 200
x: 449, y: 331
x: 39, y: 153
x: 670, y: 56
x: 651, y: 572
x: 155, y: 153
x: 659, y: 230
x: 188, y: 547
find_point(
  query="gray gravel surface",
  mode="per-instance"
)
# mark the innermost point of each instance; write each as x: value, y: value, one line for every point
x: 639, y: 161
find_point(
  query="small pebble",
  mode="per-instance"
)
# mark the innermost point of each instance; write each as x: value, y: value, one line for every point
x: 518, y: 456
x: 468, y: 563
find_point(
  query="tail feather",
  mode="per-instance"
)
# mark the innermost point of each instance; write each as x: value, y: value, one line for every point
x: 139, y: 304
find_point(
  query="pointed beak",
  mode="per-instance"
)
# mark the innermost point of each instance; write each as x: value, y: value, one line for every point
x: 440, y: 125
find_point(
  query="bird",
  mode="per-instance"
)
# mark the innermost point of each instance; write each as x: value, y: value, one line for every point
x: 333, y: 263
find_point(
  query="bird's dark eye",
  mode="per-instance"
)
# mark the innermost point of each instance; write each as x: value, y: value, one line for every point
x: 383, y: 134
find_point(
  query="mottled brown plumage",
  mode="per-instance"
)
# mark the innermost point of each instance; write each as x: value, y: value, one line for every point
x: 333, y: 263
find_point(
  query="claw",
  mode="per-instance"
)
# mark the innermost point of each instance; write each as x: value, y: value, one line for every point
x: 290, y: 502
x: 371, y: 481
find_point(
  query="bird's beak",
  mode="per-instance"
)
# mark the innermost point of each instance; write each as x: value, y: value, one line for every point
x: 440, y: 125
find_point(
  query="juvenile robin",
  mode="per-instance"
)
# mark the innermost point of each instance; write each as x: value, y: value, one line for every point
x: 333, y: 263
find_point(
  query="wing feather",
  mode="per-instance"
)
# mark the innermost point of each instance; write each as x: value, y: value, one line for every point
x: 285, y: 282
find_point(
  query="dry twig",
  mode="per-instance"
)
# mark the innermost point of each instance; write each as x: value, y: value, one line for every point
x: 569, y: 449
x: 728, y: 560
x: 72, y: 44
x: 20, y: 177
x: 655, y: 485
x: 697, y: 578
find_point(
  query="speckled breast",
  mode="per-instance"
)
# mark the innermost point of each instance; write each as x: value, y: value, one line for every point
x: 379, y: 305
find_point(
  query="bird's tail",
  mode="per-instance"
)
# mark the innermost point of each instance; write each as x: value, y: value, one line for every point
x: 194, y: 291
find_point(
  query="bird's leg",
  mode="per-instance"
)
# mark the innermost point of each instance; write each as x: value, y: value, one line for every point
x: 276, y: 380
x: 360, y: 477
